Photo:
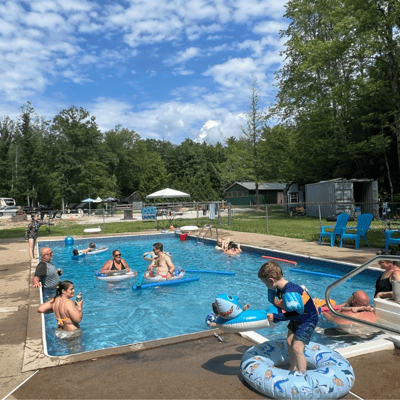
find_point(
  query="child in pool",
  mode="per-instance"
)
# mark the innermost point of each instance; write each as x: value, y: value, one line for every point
x: 300, y: 311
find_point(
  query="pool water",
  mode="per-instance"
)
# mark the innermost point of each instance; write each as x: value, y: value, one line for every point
x: 114, y: 315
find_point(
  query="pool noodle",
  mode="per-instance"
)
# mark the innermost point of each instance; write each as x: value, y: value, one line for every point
x: 166, y: 283
x: 280, y: 259
x: 315, y: 273
x: 140, y: 280
x: 210, y: 272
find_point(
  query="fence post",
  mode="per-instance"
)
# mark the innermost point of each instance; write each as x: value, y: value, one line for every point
x: 320, y: 219
x: 229, y: 214
x: 197, y: 211
x: 219, y: 213
x: 266, y: 216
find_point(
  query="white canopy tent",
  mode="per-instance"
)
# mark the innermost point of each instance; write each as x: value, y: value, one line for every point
x: 167, y: 194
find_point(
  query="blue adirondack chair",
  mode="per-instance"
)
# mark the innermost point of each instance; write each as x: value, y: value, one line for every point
x: 391, y: 240
x: 363, y: 223
x: 338, y: 229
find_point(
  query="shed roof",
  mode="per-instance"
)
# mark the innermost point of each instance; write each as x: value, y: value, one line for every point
x: 261, y: 186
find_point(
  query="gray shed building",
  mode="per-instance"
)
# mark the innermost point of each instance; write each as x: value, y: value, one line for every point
x: 336, y: 196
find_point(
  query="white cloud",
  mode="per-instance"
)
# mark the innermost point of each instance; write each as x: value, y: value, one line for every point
x: 182, y: 56
x: 270, y: 27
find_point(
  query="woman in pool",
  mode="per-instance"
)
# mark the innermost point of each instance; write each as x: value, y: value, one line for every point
x: 383, y: 285
x: 116, y: 264
x: 68, y: 313
x: 233, y: 249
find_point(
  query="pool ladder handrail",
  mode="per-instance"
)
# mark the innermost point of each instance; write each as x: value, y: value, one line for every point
x: 348, y: 276
x: 208, y: 228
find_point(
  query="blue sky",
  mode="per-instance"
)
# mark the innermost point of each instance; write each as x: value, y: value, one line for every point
x: 168, y: 69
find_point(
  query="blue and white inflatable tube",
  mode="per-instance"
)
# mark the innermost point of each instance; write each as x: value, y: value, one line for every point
x: 332, y: 378
x: 151, y: 256
x: 97, y: 250
x: 115, y: 276
x: 232, y: 318
x: 179, y: 274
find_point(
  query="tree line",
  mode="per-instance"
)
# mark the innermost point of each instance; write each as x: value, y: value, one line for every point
x: 336, y: 115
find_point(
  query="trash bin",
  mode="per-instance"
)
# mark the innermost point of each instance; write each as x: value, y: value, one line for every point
x: 128, y: 214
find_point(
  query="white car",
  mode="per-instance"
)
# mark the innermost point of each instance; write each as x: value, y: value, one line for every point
x: 9, y: 211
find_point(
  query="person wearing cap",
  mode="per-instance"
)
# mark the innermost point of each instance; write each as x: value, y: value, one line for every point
x: 383, y: 285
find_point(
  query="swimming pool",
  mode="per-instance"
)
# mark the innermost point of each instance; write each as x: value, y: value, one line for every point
x: 114, y: 315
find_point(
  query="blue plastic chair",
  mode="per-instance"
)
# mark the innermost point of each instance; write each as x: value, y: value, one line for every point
x: 391, y: 240
x: 363, y: 223
x: 338, y: 229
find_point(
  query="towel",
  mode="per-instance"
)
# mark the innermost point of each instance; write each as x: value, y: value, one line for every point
x: 212, y: 211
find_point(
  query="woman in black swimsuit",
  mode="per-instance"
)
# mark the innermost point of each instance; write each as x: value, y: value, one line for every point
x: 116, y: 264
x: 383, y: 286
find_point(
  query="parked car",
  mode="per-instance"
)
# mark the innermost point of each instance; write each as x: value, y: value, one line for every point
x: 9, y: 211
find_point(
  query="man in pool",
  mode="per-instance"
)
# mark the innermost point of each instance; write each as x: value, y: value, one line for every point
x: 162, y: 263
x: 46, y: 274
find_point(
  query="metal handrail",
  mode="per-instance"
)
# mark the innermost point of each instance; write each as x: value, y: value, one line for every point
x: 348, y: 276
x: 209, y: 227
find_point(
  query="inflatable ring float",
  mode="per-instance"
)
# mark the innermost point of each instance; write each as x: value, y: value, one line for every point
x: 332, y: 378
x: 232, y: 318
x: 97, y: 250
x: 179, y: 274
x: 116, y: 276
x: 151, y: 256
x: 92, y: 230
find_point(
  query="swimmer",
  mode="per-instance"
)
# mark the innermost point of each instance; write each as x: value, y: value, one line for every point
x: 222, y: 245
x: 92, y: 247
x: 233, y: 249
x: 116, y: 264
x: 162, y: 263
x: 356, y: 306
x: 68, y: 313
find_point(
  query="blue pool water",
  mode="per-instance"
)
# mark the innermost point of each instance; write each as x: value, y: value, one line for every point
x: 114, y: 315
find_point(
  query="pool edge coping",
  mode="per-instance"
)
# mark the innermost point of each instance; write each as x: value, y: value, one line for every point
x: 35, y: 358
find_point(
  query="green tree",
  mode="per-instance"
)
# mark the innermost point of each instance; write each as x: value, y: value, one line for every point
x: 255, y: 120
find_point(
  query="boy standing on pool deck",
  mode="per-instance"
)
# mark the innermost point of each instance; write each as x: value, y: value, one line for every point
x: 300, y: 310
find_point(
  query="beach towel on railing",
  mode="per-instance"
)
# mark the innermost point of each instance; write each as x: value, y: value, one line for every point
x: 212, y: 211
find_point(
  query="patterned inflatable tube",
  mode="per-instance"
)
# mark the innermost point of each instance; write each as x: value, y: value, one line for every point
x: 117, y: 276
x: 332, y: 378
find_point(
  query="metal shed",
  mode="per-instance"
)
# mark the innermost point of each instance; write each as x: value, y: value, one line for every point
x: 336, y: 196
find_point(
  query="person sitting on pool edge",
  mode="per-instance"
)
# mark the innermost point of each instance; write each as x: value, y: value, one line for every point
x: 233, y: 249
x: 116, y: 264
x: 383, y: 285
x: 222, y: 245
x: 162, y: 263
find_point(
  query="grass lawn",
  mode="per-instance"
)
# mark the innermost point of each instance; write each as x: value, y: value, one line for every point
x: 279, y: 224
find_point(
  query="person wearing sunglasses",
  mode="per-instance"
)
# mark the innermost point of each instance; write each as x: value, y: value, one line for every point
x: 116, y: 264
x: 46, y: 274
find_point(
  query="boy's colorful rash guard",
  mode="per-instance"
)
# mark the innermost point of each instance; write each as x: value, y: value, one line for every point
x: 297, y: 303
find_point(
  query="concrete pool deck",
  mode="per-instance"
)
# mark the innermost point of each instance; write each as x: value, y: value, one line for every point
x: 197, y: 366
